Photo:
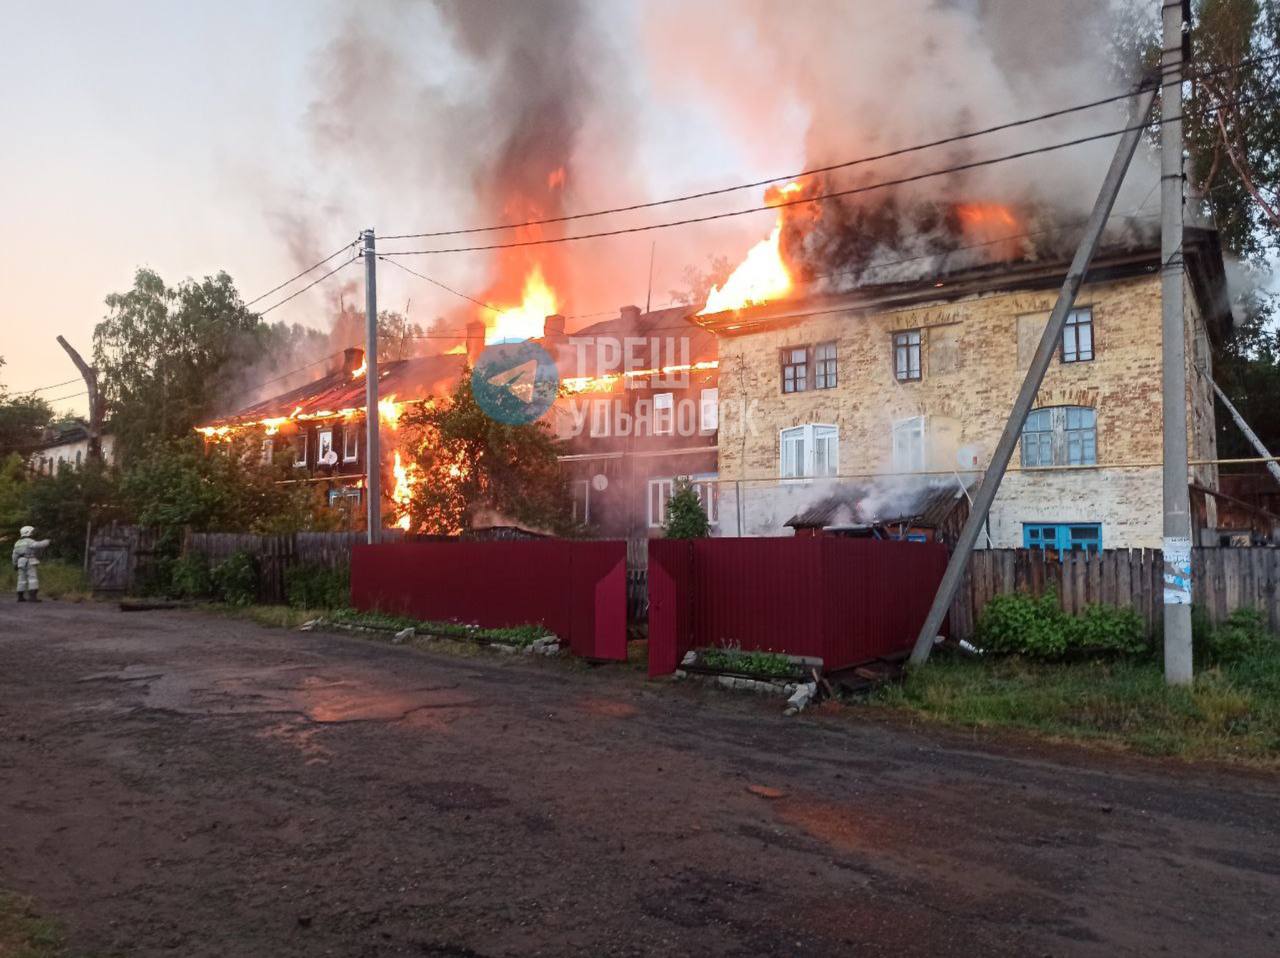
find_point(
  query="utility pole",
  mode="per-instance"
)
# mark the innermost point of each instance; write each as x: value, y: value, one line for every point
x: 96, y: 410
x: 1177, y: 500
x: 373, y: 455
x: 1045, y: 352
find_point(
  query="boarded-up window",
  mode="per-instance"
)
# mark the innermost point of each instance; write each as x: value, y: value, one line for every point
x: 944, y: 349
x: 1030, y: 329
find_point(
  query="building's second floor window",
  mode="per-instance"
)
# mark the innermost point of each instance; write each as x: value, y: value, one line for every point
x: 300, y: 449
x: 1060, y: 436
x: 795, y: 369
x: 906, y: 355
x: 908, y: 445
x: 704, y: 486
x: 664, y: 414
x: 1077, y: 336
x: 824, y: 366
x: 809, y: 451
x: 709, y: 409
x: 350, y: 443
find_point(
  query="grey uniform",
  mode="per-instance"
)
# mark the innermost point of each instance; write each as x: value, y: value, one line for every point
x: 26, y: 559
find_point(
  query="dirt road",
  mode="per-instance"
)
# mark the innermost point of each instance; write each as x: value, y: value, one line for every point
x: 172, y: 783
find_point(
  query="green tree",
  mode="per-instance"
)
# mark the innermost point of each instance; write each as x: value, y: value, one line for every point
x: 686, y: 519
x: 21, y: 420
x: 61, y: 506
x: 465, y: 464
x: 165, y: 355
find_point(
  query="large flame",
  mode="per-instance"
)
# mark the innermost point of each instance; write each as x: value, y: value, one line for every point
x: 525, y: 321
x: 402, y: 491
x: 763, y: 275
x: 992, y: 225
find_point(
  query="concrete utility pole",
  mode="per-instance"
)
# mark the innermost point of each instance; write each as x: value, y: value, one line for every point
x: 1177, y: 500
x: 96, y: 410
x: 373, y: 454
x: 990, y: 485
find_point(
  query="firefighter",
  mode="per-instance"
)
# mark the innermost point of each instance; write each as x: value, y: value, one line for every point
x: 26, y: 559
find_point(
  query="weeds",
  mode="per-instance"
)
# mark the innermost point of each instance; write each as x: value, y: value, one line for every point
x: 58, y: 580
x: 767, y: 665
x: 24, y: 933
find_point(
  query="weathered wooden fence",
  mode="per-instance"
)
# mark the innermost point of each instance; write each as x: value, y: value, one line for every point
x: 1223, y: 580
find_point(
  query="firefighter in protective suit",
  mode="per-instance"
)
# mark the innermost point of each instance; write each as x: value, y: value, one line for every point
x: 26, y: 559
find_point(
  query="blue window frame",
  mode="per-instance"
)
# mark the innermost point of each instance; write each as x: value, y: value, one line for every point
x: 1063, y: 536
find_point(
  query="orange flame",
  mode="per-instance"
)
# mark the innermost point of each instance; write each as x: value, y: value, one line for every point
x: 402, y: 492
x: 525, y: 321
x: 555, y: 178
x: 763, y: 275
x: 363, y: 368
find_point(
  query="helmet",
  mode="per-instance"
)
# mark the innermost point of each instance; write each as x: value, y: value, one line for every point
x: 26, y: 531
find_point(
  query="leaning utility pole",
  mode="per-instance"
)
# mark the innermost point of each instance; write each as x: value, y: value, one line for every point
x: 1177, y: 500
x: 96, y: 405
x: 373, y: 455
x: 990, y: 485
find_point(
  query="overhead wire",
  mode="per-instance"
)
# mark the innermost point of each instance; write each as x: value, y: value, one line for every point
x: 315, y: 282
x: 299, y: 276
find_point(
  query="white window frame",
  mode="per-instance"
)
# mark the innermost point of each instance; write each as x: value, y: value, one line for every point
x: 323, y: 436
x: 584, y: 485
x: 806, y: 461
x: 268, y: 451
x: 664, y: 414
x: 300, y: 451
x: 910, y: 444
x: 709, y: 409
x: 660, y: 491
x: 350, y: 444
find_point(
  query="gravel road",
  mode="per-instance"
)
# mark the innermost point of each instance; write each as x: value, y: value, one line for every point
x: 178, y: 783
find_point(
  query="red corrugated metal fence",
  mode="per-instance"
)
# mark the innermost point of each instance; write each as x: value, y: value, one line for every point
x: 843, y: 600
x: 578, y: 590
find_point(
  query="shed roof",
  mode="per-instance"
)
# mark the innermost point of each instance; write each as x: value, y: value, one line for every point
x: 921, y: 502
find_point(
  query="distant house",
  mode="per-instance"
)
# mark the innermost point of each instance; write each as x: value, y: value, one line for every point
x: 65, y: 445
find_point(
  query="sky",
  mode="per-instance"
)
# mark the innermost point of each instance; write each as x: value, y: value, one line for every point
x: 178, y: 137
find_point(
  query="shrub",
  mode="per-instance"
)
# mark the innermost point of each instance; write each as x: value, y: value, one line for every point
x: 1243, y: 636
x: 686, y: 519
x: 191, y: 577
x: 1038, y: 628
x: 235, y: 579
x: 310, y: 585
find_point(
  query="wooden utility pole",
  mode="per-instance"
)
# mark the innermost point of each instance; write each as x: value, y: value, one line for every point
x: 1045, y: 352
x: 96, y: 404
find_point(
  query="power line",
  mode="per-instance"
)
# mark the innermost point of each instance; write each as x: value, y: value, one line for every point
x: 309, y: 269
x: 316, y: 282
x: 813, y: 171
x: 448, y: 289
x: 40, y: 389
x: 83, y: 392
x: 836, y: 194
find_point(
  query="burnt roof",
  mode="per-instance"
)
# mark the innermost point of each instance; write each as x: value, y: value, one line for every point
x: 676, y: 322
x: 923, y: 503
x: 403, y: 379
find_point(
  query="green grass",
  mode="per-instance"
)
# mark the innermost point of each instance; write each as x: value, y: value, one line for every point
x: 26, y: 934
x: 58, y: 580
x: 1232, y: 712
x: 767, y: 665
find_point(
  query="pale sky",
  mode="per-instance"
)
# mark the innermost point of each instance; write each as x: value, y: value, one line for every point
x: 174, y: 135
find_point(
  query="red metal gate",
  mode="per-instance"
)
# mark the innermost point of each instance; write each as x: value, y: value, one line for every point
x: 578, y: 590
x: 843, y: 600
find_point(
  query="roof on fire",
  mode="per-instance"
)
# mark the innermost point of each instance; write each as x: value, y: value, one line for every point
x: 923, y: 503
x: 676, y: 322
x: 403, y: 379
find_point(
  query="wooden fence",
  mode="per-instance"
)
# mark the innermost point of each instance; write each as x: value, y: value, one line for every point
x: 1223, y: 580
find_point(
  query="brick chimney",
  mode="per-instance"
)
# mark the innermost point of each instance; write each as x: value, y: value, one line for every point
x: 352, y: 359
x: 629, y: 314
x: 553, y: 329
x: 475, y: 341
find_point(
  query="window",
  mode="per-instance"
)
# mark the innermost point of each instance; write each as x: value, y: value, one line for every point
x: 345, y: 496
x: 1077, y: 336
x: 660, y: 491
x: 325, y: 456
x: 1063, y: 536
x: 908, y: 445
x: 350, y: 443
x: 580, y: 490
x: 300, y: 450
x: 805, y: 452
x: 709, y: 410
x: 1060, y: 436
x: 795, y: 369
x: 663, y: 413
x: 824, y: 366
x: 268, y: 451
x: 906, y: 355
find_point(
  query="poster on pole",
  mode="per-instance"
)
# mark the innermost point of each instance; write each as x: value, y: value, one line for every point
x: 1177, y: 570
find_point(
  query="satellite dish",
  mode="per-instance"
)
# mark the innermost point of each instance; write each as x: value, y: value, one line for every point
x: 330, y: 458
x: 599, y: 482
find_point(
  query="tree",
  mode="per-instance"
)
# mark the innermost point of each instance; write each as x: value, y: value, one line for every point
x: 463, y: 464
x: 21, y: 420
x: 697, y: 282
x: 397, y: 337
x: 686, y: 519
x: 61, y: 506
x: 166, y: 355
